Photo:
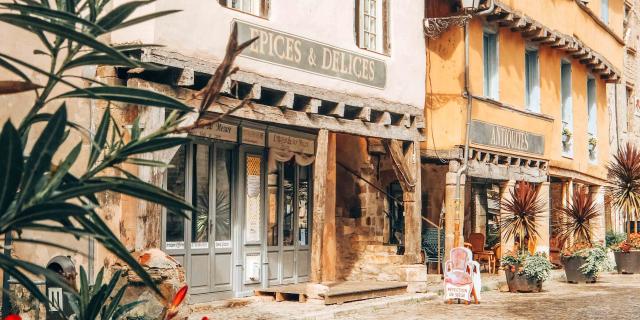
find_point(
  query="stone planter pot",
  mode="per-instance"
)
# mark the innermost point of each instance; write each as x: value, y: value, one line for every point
x: 572, y: 270
x: 628, y: 262
x: 520, y: 283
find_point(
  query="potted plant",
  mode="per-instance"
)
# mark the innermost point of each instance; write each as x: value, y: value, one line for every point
x: 566, y: 135
x: 627, y: 255
x: 624, y: 172
x: 525, y: 271
x: 582, y: 261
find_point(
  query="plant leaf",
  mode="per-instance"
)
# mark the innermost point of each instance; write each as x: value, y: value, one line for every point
x: 45, y: 211
x: 10, y: 165
x: 60, y: 172
x: 68, y: 17
x: 154, y: 145
x: 10, y: 87
x: 40, y: 158
x: 31, y: 23
x: 100, y: 138
x: 12, y: 68
x: 128, y: 95
x: 120, y: 13
x: 94, y: 58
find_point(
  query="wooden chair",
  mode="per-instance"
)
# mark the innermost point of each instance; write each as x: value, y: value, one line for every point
x: 484, y: 257
x: 462, y: 277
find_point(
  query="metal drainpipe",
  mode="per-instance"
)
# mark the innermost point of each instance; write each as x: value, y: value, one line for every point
x: 469, y: 97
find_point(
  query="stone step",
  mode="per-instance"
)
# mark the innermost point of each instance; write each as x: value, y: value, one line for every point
x: 380, y: 248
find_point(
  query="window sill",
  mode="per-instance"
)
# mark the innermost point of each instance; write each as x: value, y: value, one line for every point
x: 513, y: 108
x: 384, y: 54
x: 247, y: 13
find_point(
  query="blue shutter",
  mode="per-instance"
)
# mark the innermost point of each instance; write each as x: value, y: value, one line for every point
x: 567, y: 110
x: 591, y: 107
x: 532, y: 81
x: 490, y: 61
x: 604, y: 11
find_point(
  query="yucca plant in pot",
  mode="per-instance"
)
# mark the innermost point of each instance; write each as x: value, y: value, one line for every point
x: 525, y: 271
x: 582, y: 261
x: 624, y: 173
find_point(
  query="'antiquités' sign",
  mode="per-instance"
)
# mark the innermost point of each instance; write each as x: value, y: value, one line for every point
x: 299, y: 53
x: 493, y: 135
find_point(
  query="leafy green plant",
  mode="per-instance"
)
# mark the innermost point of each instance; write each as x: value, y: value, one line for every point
x: 533, y: 266
x: 596, y: 262
x: 98, y: 301
x: 39, y: 195
x: 613, y: 238
x: 624, y: 173
x: 576, y: 217
x: 521, y: 212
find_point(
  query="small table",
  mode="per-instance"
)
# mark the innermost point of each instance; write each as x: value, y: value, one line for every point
x: 486, y: 257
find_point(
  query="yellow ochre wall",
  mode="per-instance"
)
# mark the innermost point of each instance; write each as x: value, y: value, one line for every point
x: 446, y: 107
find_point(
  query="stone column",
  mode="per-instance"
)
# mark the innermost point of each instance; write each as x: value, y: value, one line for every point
x: 566, y: 200
x: 544, y: 220
x: 450, y: 207
x: 506, y: 243
x: 598, y: 225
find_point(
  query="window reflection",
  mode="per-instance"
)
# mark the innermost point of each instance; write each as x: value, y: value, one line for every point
x: 176, y: 184
x: 303, y: 205
x: 288, y: 186
x: 200, y: 220
x: 272, y: 218
x: 223, y: 195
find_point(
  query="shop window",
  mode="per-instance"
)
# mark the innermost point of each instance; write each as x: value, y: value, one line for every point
x: 592, y: 117
x: 567, y: 109
x: 174, y: 236
x: 200, y: 197
x: 223, y: 176
x: 288, y: 214
x: 372, y: 25
x: 258, y: 8
x: 304, y: 185
x: 273, y: 185
x: 532, y: 80
x: 604, y: 11
x: 490, y: 62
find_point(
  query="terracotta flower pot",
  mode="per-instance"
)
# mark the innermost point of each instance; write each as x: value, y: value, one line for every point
x: 520, y: 283
x: 628, y: 262
x: 572, y: 270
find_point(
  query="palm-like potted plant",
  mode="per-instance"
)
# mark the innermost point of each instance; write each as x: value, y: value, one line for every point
x: 525, y: 271
x: 582, y: 261
x: 624, y: 172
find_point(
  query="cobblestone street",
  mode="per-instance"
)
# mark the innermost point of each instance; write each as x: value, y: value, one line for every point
x: 613, y: 297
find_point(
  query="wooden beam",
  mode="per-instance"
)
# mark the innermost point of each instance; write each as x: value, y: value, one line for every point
x: 186, y: 78
x: 312, y: 106
x: 319, y: 204
x: 364, y: 114
x: 406, y: 120
x: 256, y: 91
x: 418, y: 122
x: 259, y: 112
x: 507, y: 21
x: 286, y: 101
x: 384, y: 119
x: 226, y: 86
x: 329, y: 243
x: 337, y: 110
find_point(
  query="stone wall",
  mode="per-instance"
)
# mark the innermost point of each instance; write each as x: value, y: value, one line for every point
x: 362, y: 228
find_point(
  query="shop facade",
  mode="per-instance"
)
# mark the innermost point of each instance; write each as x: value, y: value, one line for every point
x: 295, y: 186
x: 529, y: 105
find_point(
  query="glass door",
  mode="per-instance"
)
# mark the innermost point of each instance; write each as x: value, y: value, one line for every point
x: 203, y: 173
x: 288, y: 223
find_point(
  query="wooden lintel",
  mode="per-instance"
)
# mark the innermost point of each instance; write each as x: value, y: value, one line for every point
x: 520, y: 24
x: 337, y: 111
x: 507, y: 20
x: 259, y: 112
x: 312, y: 106
x: 364, y: 114
x: 406, y: 120
x: 226, y: 86
x: 384, y: 119
x: 286, y: 101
